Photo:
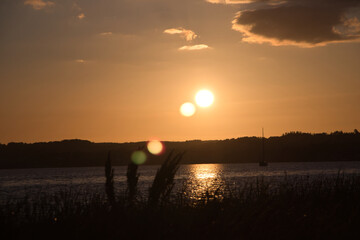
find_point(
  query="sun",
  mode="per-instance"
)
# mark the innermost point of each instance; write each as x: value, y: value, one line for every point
x: 204, y: 98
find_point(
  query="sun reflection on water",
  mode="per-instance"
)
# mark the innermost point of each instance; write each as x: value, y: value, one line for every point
x: 206, y: 175
x: 205, y: 181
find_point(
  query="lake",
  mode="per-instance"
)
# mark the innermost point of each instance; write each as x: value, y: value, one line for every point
x: 16, y: 183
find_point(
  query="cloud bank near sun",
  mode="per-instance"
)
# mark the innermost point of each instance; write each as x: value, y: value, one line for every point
x: 303, y: 23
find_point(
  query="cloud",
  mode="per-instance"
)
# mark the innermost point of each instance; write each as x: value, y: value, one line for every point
x: 80, y: 61
x: 194, y: 47
x: 229, y: 1
x: 81, y: 16
x: 106, y: 34
x: 353, y: 25
x: 185, y: 33
x: 304, y: 23
x: 189, y: 36
x: 38, y: 4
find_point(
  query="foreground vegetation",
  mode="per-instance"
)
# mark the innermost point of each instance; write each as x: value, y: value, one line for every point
x: 321, y: 208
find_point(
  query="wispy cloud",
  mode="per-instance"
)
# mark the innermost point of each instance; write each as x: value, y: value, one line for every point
x: 38, y: 4
x: 269, y: 2
x: 80, y: 61
x: 194, y: 47
x: 106, y: 34
x: 304, y: 23
x: 185, y: 33
x: 81, y: 16
x: 229, y: 1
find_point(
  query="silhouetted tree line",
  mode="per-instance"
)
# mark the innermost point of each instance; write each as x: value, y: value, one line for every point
x: 290, y: 147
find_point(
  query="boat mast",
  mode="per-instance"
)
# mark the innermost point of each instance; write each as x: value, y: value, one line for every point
x: 263, y: 146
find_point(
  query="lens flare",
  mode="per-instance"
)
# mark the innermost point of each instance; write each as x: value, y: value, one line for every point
x: 138, y: 157
x: 204, y: 98
x: 187, y: 109
x: 155, y: 147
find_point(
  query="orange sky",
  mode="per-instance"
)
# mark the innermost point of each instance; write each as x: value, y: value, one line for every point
x: 119, y: 70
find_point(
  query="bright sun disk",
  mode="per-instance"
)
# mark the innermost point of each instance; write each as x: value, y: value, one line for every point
x: 204, y: 98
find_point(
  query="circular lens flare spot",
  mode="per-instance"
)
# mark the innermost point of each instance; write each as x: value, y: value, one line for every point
x: 138, y: 157
x: 155, y: 147
x: 204, y: 98
x: 187, y: 109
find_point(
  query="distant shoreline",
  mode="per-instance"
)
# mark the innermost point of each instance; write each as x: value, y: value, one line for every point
x: 294, y: 146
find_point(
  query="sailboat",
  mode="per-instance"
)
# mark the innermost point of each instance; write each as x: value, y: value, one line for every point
x: 263, y: 163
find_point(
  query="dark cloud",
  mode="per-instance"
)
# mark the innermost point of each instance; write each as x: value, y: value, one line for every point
x: 304, y: 23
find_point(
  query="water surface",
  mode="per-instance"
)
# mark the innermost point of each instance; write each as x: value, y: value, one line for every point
x: 16, y: 183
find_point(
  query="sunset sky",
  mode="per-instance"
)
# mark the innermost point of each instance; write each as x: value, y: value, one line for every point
x: 119, y: 70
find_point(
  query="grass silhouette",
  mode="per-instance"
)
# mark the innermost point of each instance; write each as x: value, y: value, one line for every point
x: 132, y: 181
x: 163, y: 184
x: 109, y: 184
x: 291, y: 208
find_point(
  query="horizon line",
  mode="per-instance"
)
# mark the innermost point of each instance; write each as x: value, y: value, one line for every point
x: 189, y: 140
